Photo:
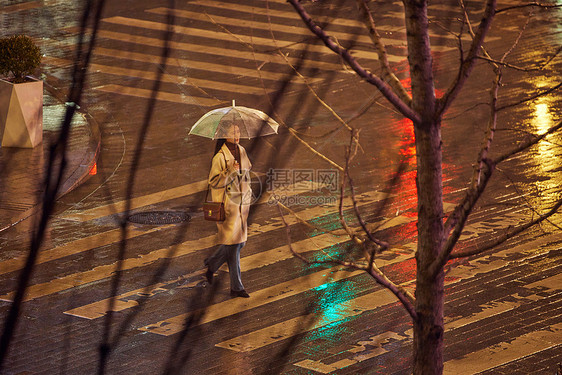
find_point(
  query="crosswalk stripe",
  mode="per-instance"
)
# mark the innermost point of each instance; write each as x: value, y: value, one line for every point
x: 397, y: 18
x: 297, y: 30
x: 134, y: 203
x: 505, y: 352
x: 105, y: 271
x: 284, y: 330
x: 262, y: 259
x: 18, y: 7
x: 305, y: 323
x: 161, y: 95
x: 184, y: 81
x: 99, y: 308
x: 251, y: 40
x: 372, y: 347
x: 170, y: 78
x: 217, y: 51
x: 187, y: 247
x: 290, y: 14
x: 194, y: 64
x: 75, y: 247
x: 259, y: 298
x: 174, y: 193
x: 122, y: 302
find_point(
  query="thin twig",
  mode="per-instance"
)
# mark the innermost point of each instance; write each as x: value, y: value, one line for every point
x: 508, y: 234
x: 468, y: 64
x: 383, y: 87
x: 523, y: 146
x: 530, y: 98
x: 533, y: 4
x: 387, y: 73
x: 382, y: 245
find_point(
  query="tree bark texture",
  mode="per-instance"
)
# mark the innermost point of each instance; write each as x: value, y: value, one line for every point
x: 428, y: 327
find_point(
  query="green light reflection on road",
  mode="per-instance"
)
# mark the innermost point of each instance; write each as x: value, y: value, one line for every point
x: 333, y: 308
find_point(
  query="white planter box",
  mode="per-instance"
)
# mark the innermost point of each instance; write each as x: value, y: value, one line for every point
x: 21, y: 114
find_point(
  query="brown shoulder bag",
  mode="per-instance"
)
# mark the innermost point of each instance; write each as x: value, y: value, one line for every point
x: 214, y: 211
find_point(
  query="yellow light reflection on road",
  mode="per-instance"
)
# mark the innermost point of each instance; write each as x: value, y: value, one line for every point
x: 543, y: 118
x: 546, y: 153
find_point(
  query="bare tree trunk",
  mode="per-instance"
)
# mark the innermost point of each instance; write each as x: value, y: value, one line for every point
x: 428, y: 326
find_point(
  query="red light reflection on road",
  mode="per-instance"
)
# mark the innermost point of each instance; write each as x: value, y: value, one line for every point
x: 93, y: 170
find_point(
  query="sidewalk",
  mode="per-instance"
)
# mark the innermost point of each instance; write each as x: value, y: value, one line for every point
x: 22, y: 171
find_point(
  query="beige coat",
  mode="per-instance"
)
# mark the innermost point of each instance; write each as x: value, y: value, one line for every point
x: 224, y: 178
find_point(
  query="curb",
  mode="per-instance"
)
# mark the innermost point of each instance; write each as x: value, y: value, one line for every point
x: 82, y: 171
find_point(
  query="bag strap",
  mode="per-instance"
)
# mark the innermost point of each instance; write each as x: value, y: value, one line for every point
x: 209, y: 185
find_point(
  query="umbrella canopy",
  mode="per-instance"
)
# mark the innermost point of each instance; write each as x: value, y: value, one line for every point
x: 251, y: 122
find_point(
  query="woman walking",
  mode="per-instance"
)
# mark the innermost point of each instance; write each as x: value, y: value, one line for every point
x: 229, y: 180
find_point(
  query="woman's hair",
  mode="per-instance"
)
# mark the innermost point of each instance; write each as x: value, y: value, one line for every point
x: 220, y: 142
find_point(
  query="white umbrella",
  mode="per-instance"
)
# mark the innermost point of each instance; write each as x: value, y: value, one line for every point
x: 251, y: 122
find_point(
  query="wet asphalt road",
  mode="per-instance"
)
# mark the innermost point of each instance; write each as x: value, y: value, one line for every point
x: 350, y: 325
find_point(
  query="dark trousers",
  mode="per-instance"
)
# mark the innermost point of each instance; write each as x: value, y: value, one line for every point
x: 231, y: 255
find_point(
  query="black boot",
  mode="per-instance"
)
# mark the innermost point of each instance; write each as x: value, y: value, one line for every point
x: 240, y: 293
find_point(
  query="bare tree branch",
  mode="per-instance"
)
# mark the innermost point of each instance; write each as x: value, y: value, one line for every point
x: 507, y: 65
x: 387, y: 74
x: 53, y: 176
x: 508, y: 234
x: 531, y: 98
x: 468, y: 64
x: 533, y: 4
x: 405, y: 297
x: 382, y: 245
x: 528, y: 204
x: 523, y: 146
x: 552, y: 57
x: 383, y: 87
x: 458, y: 218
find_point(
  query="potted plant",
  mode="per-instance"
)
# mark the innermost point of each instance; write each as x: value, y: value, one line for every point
x: 21, y: 95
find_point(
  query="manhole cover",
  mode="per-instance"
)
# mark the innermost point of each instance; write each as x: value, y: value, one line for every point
x: 159, y: 217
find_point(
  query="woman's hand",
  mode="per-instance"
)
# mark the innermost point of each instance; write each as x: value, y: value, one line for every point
x: 232, y: 167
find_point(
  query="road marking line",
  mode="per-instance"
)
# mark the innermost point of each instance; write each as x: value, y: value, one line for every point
x: 251, y: 40
x: 332, y: 21
x: 165, y: 77
x: 272, y: 334
x: 289, y: 29
x: 301, y: 324
x: 291, y: 15
x: 187, y: 247
x: 258, y: 260
x: 375, y: 342
x: 261, y: 297
x: 210, y: 50
x: 206, y: 66
x: 13, y: 8
x: 395, y: 16
x: 135, y: 203
x: 488, y: 309
x: 99, y: 308
x: 104, y: 271
x: 75, y: 247
x: 505, y: 352
x: 161, y: 95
